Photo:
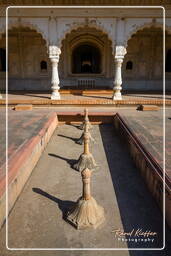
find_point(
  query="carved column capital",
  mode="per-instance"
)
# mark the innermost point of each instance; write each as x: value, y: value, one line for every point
x: 120, y: 52
x: 54, y: 52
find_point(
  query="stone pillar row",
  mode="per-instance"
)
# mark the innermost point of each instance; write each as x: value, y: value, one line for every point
x: 54, y: 53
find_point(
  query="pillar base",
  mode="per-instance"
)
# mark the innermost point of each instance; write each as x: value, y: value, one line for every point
x: 117, y: 96
x: 86, y: 214
x: 55, y: 96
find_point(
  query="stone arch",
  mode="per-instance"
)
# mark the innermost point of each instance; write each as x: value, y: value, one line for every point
x: 94, y: 23
x: 26, y: 49
x: 87, y: 35
x: 89, y: 38
x: 14, y: 23
x: 136, y: 28
x: 147, y: 62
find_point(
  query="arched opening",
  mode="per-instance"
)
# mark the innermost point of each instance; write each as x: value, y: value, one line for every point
x: 86, y: 58
x: 129, y: 65
x: 168, y: 61
x: 43, y: 65
x: 145, y: 60
x: 2, y: 60
x: 27, y: 60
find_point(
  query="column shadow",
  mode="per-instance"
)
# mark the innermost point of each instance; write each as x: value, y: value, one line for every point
x: 76, y: 126
x: 67, y: 137
x: 71, y: 162
x: 64, y: 205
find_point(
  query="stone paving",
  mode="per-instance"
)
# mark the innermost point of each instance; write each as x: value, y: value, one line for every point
x: 36, y: 220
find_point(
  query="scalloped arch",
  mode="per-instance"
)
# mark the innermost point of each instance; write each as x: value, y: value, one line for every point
x: 143, y: 26
x: 83, y: 25
x: 15, y: 24
x: 73, y: 27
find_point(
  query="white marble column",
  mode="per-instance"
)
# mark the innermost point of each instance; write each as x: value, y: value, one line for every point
x: 0, y: 95
x: 120, y: 52
x: 54, y: 53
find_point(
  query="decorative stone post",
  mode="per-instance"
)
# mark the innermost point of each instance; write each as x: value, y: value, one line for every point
x: 86, y: 119
x: 81, y: 139
x: 54, y: 53
x: 86, y: 159
x: 119, y: 56
x: 87, y: 213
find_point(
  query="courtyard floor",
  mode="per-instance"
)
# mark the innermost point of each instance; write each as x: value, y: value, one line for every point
x: 36, y: 219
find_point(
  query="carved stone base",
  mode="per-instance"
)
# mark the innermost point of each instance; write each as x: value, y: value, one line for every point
x: 117, y: 96
x: 55, y: 96
x: 86, y: 214
x: 85, y: 161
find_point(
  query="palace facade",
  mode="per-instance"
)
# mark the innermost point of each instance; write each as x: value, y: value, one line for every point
x: 85, y: 47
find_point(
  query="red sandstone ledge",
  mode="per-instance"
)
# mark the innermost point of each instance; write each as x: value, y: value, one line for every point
x: 20, y: 156
x: 14, y: 102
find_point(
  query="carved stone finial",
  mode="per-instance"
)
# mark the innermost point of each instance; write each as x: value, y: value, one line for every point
x: 86, y: 119
x: 87, y: 213
x: 86, y: 159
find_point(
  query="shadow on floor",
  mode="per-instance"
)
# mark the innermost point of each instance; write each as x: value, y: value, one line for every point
x: 98, y: 97
x: 77, y: 126
x: 37, y: 96
x: 71, y: 162
x: 137, y: 207
x: 67, y: 137
x: 31, y: 94
x: 63, y: 205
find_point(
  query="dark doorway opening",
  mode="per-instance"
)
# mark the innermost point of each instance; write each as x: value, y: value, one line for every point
x: 2, y: 60
x: 86, y: 59
x: 168, y: 61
